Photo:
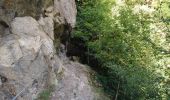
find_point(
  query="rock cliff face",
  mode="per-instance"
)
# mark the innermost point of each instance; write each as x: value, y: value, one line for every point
x: 29, y: 63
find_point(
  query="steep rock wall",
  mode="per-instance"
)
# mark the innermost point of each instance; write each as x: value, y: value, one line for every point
x: 29, y: 62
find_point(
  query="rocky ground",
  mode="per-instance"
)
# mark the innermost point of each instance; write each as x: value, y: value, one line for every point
x: 76, y: 82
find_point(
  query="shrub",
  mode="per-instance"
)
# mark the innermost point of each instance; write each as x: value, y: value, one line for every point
x: 122, y: 45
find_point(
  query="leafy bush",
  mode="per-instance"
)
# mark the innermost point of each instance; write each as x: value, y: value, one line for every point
x: 122, y: 45
x: 45, y: 94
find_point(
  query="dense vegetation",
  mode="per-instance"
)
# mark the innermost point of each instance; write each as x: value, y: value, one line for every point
x: 130, y: 45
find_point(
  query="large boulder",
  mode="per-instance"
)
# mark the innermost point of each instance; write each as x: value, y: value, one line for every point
x: 26, y: 58
x: 9, y: 9
x: 67, y: 9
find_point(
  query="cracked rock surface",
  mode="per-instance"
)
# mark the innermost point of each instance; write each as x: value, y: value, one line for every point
x: 29, y: 62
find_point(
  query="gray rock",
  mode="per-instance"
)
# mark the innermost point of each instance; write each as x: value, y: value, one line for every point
x: 0, y: 82
x: 21, y: 8
x: 48, y: 26
x: 25, y: 57
x: 28, y: 60
x: 67, y: 9
x: 75, y: 83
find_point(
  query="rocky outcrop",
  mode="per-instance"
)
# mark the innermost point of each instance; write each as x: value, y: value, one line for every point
x: 19, y: 8
x: 76, y: 83
x: 62, y: 11
x: 29, y: 63
x: 27, y: 57
x: 27, y: 54
x: 67, y: 9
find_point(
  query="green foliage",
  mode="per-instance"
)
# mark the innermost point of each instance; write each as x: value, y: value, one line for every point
x: 124, y: 47
x: 90, y: 11
x: 45, y: 95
